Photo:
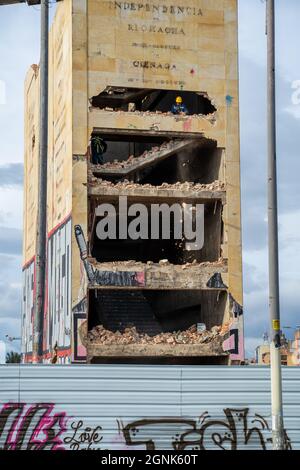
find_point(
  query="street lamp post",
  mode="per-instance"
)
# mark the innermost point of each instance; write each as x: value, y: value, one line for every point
x: 274, y: 306
x: 40, y: 257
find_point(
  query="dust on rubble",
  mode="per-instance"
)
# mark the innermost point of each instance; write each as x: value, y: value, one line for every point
x: 178, y: 117
x: 128, y: 185
x: 222, y: 262
x: 130, y: 335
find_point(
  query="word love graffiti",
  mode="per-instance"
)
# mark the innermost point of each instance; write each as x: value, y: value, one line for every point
x: 31, y: 427
x: 84, y: 438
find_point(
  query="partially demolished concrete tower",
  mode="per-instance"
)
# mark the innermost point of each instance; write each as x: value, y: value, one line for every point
x: 116, y: 69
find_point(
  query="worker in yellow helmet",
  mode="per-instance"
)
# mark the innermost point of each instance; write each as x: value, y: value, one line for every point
x: 179, y: 107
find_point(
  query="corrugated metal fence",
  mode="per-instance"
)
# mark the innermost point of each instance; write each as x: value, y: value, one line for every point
x: 142, y: 407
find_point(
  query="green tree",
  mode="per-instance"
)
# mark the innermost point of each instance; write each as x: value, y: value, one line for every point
x: 13, y: 357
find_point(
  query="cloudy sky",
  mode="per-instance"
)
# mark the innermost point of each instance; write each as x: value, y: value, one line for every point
x: 19, y: 47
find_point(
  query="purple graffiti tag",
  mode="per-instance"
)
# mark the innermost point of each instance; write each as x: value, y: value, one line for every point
x: 49, y: 430
x: 35, y: 427
x: 9, y: 418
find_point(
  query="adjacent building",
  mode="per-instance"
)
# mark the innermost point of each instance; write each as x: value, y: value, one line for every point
x: 289, y: 352
x: 116, y: 69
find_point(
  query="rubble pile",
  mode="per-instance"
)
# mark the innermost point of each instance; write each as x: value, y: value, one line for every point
x: 186, y: 186
x: 209, y: 117
x: 163, y: 262
x: 130, y: 335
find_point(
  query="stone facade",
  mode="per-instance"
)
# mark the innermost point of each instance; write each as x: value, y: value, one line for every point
x: 99, y: 46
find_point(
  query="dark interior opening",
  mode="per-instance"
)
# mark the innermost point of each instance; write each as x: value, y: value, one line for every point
x: 174, y: 250
x: 200, y: 164
x: 155, y: 311
x: 141, y: 99
x: 193, y: 160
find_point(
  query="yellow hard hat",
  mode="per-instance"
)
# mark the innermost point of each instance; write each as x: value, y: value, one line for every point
x: 178, y: 99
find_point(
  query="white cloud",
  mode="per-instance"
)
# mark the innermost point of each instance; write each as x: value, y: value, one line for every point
x: 293, y: 111
x: 11, y: 199
x: 256, y: 275
x: 254, y: 164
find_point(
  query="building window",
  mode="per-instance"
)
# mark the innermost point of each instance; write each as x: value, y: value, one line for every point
x: 63, y: 266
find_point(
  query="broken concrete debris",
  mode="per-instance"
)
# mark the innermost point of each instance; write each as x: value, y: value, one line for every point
x: 130, y: 335
x: 158, y: 151
x: 222, y: 262
x: 186, y: 186
x: 209, y: 117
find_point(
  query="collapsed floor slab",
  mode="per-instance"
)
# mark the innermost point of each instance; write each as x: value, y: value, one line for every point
x: 178, y: 192
x: 163, y: 275
x: 164, y: 350
x: 147, y: 159
x: 211, y: 117
x: 130, y: 335
x: 103, y: 343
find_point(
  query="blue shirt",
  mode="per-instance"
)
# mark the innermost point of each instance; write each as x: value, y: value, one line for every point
x: 179, y: 108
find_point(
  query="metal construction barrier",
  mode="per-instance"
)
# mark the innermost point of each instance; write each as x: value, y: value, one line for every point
x: 143, y: 407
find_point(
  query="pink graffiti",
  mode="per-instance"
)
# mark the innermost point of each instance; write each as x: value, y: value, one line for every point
x: 187, y: 125
x: 32, y: 427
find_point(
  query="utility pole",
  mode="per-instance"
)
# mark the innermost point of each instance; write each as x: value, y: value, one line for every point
x: 274, y: 304
x: 40, y: 260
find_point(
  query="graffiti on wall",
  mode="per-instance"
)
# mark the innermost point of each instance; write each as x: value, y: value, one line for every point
x: 237, y: 431
x: 79, y: 317
x: 120, y: 278
x: 57, y: 312
x: 84, y: 437
x: 31, y: 427
x: 57, y: 319
x: 39, y: 427
x: 106, y: 278
x: 234, y: 344
x: 27, y: 307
